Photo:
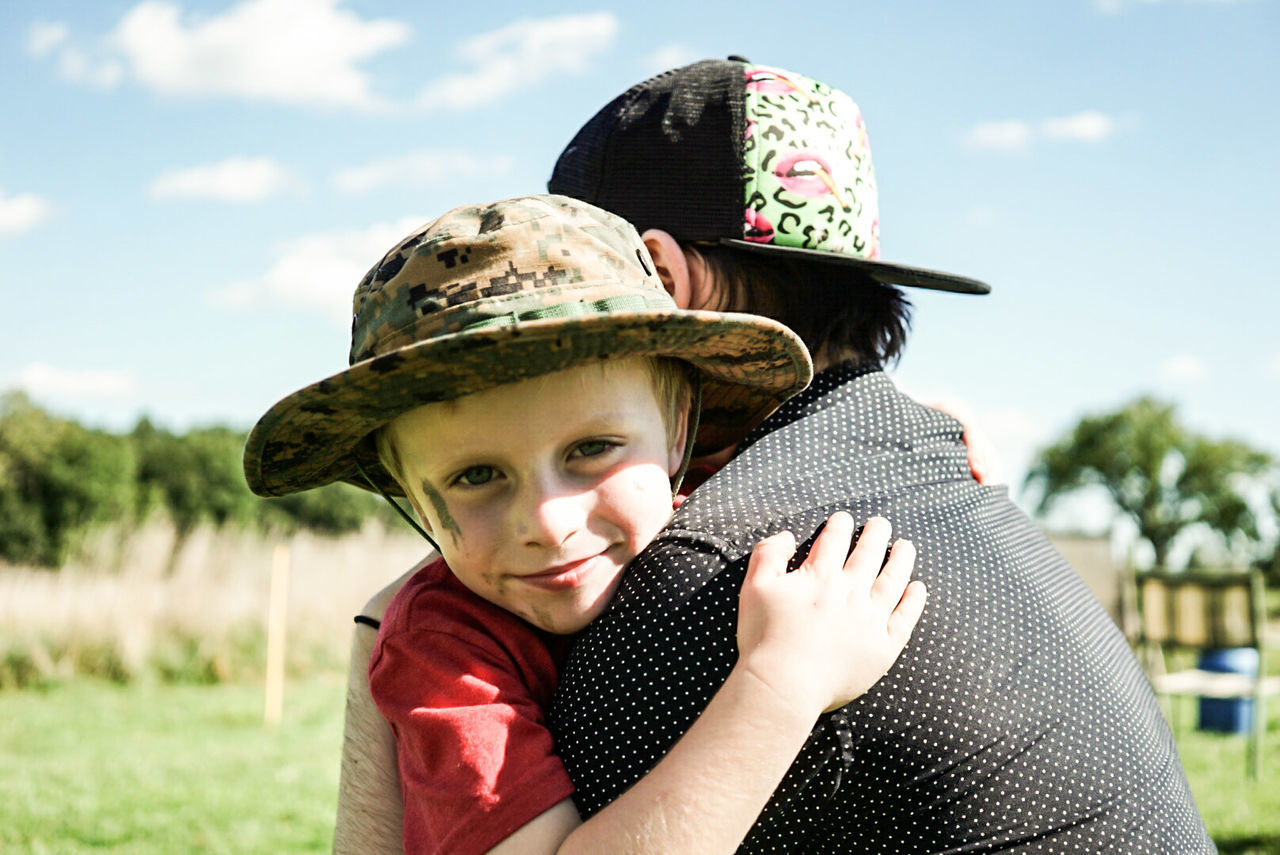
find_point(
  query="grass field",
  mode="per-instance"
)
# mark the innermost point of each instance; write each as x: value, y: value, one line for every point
x: 90, y: 766
x: 160, y: 769
x: 1243, y: 816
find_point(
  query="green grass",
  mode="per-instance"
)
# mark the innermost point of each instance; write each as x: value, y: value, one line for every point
x: 96, y: 767
x: 1243, y: 816
x: 159, y: 769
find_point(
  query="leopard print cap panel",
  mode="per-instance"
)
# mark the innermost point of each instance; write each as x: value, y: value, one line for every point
x: 808, y: 176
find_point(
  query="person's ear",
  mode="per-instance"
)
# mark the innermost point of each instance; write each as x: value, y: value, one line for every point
x: 679, y: 436
x: 671, y: 265
x: 686, y: 275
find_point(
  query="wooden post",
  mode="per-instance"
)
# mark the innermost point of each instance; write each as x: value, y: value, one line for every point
x: 277, y: 618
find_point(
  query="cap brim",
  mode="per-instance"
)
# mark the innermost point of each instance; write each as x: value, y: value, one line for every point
x: 880, y: 271
x: 749, y: 366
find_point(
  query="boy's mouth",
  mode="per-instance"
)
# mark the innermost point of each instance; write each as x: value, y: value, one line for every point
x: 563, y: 577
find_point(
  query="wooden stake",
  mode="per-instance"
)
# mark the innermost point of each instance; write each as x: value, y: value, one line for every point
x: 277, y: 618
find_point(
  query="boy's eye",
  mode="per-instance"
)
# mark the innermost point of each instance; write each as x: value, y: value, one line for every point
x: 591, y: 448
x: 476, y: 476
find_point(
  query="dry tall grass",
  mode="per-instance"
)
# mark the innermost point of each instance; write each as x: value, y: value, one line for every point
x: 141, y: 605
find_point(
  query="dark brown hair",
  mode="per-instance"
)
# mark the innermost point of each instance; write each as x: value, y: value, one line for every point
x: 838, y: 312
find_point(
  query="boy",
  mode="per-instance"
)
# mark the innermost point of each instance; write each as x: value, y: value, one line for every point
x: 512, y: 374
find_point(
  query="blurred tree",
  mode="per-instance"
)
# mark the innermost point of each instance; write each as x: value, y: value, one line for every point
x: 57, y: 478
x: 1162, y: 476
x: 333, y: 509
x: 199, y: 477
x: 1268, y: 560
x: 196, y: 477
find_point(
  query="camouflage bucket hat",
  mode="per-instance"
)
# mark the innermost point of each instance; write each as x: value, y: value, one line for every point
x: 758, y: 158
x: 498, y: 293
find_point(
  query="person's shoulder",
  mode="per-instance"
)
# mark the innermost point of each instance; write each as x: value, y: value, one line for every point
x: 431, y: 590
x: 426, y: 577
x: 432, y: 601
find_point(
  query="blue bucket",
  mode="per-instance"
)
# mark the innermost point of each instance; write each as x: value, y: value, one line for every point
x: 1228, y: 715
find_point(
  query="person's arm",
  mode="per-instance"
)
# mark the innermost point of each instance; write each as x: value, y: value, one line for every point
x: 370, y: 811
x: 706, y: 793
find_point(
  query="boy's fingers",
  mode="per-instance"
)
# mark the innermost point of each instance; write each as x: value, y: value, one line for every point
x: 902, y: 621
x: 899, y: 563
x: 770, y: 556
x: 892, y: 581
x: 868, y: 553
x: 832, y: 544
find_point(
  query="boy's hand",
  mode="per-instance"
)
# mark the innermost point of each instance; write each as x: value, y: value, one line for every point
x: 825, y: 633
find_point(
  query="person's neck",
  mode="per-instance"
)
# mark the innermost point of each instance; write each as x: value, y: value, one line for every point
x: 716, y: 460
x: 824, y: 359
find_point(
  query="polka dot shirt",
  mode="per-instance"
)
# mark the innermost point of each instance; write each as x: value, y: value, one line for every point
x: 1016, y: 720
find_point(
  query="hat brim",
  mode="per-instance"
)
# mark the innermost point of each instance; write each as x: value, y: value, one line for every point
x: 748, y: 364
x: 881, y: 271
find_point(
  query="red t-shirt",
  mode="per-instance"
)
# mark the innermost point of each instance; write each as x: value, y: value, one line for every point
x: 463, y: 684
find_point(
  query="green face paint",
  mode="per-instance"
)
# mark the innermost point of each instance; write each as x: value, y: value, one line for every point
x: 447, y: 521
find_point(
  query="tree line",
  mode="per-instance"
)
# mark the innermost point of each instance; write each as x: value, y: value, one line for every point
x: 1171, y: 483
x: 59, y: 479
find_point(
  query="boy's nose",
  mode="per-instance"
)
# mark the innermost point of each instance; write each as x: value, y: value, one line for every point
x: 552, y: 514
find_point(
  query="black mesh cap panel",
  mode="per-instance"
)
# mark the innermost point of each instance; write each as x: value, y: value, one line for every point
x: 666, y: 153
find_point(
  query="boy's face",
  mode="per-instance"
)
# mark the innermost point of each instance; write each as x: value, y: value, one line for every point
x: 540, y: 492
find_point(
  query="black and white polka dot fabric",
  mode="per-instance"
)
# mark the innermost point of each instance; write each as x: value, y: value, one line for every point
x: 1017, y: 719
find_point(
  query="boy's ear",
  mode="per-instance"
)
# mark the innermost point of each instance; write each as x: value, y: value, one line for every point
x: 680, y: 436
x: 672, y: 266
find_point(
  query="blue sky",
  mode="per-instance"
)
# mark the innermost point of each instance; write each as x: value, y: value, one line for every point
x: 189, y: 191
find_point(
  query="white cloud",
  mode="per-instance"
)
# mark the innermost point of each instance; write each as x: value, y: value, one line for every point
x: 44, y: 36
x: 519, y: 56
x: 311, y: 52
x: 238, y: 179
x: 1183, y: 369
x: 1274, y: 366
x: 280, y: 50
x: 52, y: 39
x: 1009, y: 135
x: 1013, y: 135
x: 318, y: 271
x: 422, y: 167
x: 78, y: 67
x: 41, y: 379
x: 21, y: 213
x: 293, y: 51
x: 1087, y: 126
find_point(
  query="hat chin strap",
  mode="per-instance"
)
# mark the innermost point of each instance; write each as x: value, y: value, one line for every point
x: 405, y: 515
x: 695, y: 414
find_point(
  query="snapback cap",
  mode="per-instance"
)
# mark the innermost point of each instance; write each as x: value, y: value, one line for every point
x: 754, y: 157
